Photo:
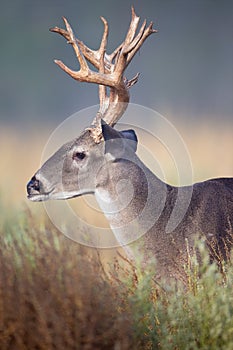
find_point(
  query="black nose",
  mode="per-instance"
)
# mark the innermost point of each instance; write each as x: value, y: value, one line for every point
x: 33, y: 185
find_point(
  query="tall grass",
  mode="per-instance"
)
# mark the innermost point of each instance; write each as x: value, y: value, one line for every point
x: 56, y: 294
x: 53, y: 293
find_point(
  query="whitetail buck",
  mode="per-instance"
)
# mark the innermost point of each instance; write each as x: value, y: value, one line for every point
x: 103, y: 161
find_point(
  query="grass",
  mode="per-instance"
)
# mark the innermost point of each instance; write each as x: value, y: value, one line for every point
x: 56, y: 294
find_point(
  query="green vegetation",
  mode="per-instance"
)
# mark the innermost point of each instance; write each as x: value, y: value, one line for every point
x: 55, y: 294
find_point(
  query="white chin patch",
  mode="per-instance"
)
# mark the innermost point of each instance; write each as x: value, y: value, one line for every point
x: 56, y: 196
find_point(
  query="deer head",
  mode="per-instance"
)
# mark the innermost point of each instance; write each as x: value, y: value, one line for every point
x: 80, y: 166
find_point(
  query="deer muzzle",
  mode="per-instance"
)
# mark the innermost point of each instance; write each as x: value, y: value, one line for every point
x: 36, y: 191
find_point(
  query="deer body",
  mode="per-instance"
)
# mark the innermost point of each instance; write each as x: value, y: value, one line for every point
x: 103, y: 161
x: 210, y: 215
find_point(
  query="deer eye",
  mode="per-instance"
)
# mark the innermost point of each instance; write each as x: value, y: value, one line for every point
x: 79, y: 155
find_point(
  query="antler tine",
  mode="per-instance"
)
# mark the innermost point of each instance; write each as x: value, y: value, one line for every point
x: 132, y: 81
x: 93, y: 56
x: 120, y: 63
x: 132, y: 28
x: 73, y: 42
x: 139, y: 40
x: 102, y: 50
x: 69, y: 35
x: 104, y: 37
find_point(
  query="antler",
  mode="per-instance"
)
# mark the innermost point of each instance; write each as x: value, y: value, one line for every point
x: 110, y: 67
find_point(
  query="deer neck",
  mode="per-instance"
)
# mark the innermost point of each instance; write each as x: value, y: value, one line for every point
x: 131, y: 197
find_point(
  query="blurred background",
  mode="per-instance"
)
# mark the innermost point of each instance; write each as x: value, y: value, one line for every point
x: 186, y: 75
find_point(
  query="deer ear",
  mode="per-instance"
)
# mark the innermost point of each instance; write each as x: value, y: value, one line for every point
x: 113, y: 141
x: 116, y: 141
x: 108, y: 132
x: 132, y: 137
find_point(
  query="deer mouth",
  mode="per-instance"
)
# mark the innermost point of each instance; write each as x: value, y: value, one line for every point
x: 40, y: 197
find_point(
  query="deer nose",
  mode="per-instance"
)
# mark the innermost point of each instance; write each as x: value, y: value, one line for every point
x: 33, y: 186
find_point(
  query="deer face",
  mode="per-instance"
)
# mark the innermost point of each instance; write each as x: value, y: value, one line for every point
x: 67, y: 173
x: 77, y: 167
